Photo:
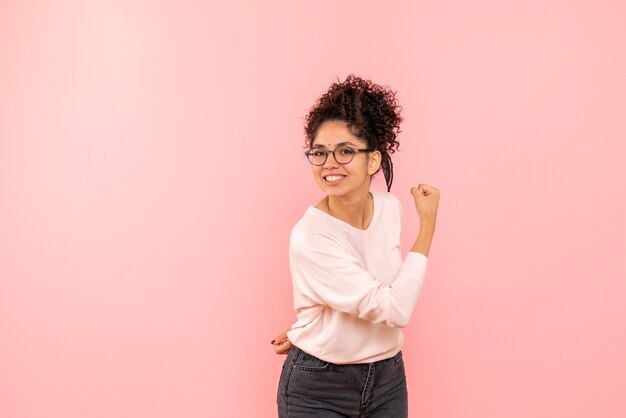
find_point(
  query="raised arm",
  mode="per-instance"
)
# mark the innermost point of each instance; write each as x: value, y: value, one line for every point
x: 426, y: 202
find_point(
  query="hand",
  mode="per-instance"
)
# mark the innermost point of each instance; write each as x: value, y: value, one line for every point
x: 426, y: 201
x: 281, y: 343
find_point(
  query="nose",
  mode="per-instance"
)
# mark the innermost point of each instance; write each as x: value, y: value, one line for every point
x: 330, y: 161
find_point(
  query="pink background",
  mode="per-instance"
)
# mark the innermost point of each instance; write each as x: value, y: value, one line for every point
x: 151, y: 170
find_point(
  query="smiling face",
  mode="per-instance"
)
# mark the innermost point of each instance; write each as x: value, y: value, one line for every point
x: 341, y: 180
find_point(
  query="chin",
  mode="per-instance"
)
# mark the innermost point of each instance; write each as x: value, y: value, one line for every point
x: 337, y: 191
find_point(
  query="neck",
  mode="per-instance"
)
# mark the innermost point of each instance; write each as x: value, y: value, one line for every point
x: 357, y: 210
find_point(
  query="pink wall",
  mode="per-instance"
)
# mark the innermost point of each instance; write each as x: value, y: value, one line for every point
x: 151, y: 170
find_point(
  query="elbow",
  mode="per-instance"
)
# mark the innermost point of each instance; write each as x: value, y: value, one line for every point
x: 390, y: 319
x: 401, y: 322
x: 399, y: 316
x: 390, y: 322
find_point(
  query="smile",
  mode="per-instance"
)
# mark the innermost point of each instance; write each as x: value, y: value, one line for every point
x: 333, y: 179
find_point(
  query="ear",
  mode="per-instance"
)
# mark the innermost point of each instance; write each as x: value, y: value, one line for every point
x: 373, y: 164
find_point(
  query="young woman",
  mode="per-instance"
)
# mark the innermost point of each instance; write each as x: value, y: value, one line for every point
x: 352, y: 291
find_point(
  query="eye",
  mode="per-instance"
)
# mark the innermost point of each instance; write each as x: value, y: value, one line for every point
x: 317, y: 153
x: 346, y: 151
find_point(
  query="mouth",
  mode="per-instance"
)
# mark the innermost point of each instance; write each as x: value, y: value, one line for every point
x: 334, y: 179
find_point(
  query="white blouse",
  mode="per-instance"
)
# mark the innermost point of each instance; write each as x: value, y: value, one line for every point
x: 352, y: 291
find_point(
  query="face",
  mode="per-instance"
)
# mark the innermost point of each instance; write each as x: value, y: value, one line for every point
x: 336, y: 179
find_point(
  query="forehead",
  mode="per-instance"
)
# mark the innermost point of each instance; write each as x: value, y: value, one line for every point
x: 331, y: 133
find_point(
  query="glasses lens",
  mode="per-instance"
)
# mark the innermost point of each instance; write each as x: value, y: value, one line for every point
x: 316, y: 157
x: 344, y: 155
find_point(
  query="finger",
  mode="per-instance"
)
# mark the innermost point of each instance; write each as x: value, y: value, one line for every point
x: 277, y: 349
x: 427, y: 190
x: 430, y: 188
x: 283, y: 348
x: 280, y: 337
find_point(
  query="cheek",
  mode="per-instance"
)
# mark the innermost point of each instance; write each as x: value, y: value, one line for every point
x: 360, y: 170
x: 316, y: 170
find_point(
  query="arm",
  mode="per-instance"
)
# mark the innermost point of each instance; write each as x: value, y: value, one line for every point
x: 426, y: 203
x: 424, y: 238
x: 326, y: 274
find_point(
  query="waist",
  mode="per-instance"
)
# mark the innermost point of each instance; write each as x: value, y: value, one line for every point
x: 324, y: 363
x: 348, y: 340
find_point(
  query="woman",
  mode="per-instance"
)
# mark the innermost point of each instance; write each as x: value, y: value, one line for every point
x: 352, y: 291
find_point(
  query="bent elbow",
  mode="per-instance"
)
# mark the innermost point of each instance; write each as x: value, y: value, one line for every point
x: 390, y: 320
x: 399, y: 321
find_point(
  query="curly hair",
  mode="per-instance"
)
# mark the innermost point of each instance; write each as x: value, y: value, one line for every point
x: 371, y: 111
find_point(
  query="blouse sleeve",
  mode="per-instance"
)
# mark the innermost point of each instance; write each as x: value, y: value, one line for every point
x: 326, y: 273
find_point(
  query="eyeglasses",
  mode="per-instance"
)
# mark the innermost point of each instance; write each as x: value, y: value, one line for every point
x: 342, y: 154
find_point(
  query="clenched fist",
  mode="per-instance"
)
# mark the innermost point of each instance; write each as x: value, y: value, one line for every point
x: 426, y: 201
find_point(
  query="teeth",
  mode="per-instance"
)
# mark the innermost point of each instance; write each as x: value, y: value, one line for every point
x: 334, y: 178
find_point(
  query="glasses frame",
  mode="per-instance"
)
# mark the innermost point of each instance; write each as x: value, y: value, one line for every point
x: 326, y: 152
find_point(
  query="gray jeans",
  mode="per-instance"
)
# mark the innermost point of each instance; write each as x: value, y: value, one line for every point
x: 311, y: 387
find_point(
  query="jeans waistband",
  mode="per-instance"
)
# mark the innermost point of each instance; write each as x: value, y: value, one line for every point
x: 395, y: 357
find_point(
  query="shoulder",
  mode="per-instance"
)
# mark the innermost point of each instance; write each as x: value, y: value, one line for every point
x: 387, y: 199
x: 313, y: 232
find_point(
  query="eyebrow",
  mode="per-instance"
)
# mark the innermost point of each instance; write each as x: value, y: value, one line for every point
x: 338, y: 145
